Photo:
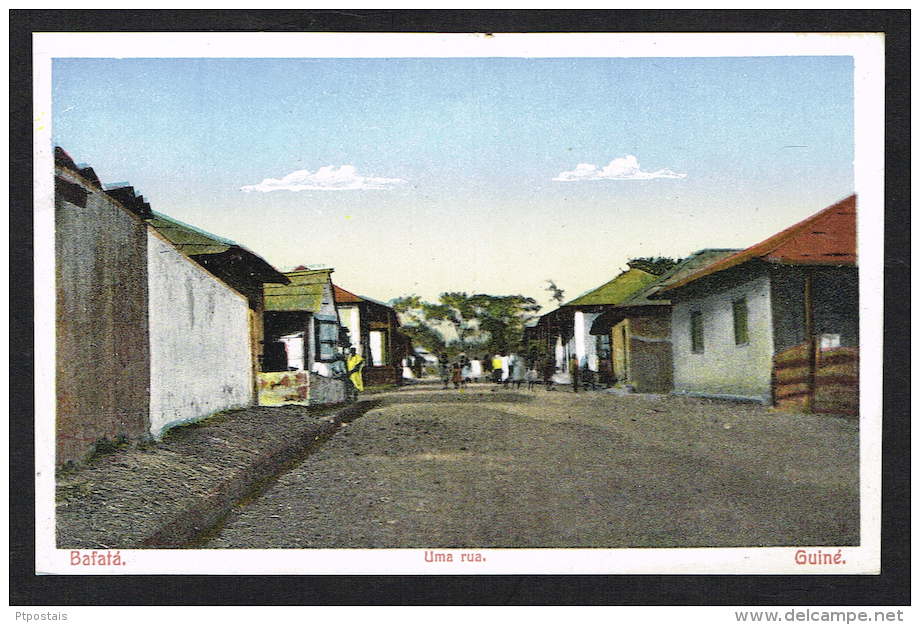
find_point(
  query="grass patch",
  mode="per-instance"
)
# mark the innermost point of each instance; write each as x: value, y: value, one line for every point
x: 106, y: 447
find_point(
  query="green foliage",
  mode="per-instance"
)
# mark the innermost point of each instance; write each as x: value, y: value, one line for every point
x: 461, y: 322
x: 502, y: 317
x: 406, y: 304
x: 657, y: 265
x: 534, y: 350
x: 558, y: 294
x: 424, y: 336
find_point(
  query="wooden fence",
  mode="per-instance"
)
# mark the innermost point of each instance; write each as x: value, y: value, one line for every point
x: 817, y: 380
x: 382, y: 375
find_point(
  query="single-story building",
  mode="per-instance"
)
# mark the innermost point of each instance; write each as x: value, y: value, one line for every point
x: 639, y: 330
x: 776, y: 323
x: 157, y: 323
x: 301, y: 341
x: 566, y: 331
x: 373, y: 330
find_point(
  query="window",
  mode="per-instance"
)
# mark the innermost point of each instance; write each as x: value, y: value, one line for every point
x: 740, y: 318
x: 603, y: 346
x: 696, y: 332
x: 327, y: 334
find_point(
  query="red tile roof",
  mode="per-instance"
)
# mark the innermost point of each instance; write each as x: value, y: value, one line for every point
x: 825, y: 238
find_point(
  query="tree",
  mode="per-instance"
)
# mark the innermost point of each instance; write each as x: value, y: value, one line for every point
x: 556, y: 291
x: 502, y: 318
x: 425, y: 337
x: 459, y: 310
x: 416, y: 326
x: 657, y: 265
x: 462, y: 322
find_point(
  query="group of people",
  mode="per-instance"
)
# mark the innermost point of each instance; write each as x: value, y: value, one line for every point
x: 501, y: 369
x: 512, y: 370
x: 584, y: 377
x: 350, y: 369
x: 460, y: 372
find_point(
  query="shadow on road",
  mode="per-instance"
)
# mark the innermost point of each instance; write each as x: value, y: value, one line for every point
x: 467, y: 395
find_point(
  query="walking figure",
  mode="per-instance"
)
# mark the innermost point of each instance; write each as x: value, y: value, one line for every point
x: 444, y: 369
x: 532, y: 377
x: 497, y: 369
x: 517, y: 370
x: 355, y: 366
x: 575, y: 370
x: 456, y: 376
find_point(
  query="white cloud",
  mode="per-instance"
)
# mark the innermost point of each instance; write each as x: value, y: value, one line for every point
x: 345, y: 178
x: 625, y: 168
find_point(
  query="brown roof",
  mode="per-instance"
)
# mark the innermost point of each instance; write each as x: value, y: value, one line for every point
x: 228, y: 261
x: 345, y: 297
x: 825, y: 238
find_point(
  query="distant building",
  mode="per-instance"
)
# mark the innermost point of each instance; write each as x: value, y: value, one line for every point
x: 566, y: 331
x: 776, y: 323
x: 639, y: 330
x: 158, y: 323
x: 373, y: 330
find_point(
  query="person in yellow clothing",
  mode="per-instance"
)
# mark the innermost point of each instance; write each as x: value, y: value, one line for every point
x: 497, y: 369
x: 355, y: 366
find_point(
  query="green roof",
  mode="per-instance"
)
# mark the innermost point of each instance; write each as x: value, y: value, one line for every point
x: 188, y: 239
x: 305, y: 292
x: 696, y: 261
x: 617, y: 290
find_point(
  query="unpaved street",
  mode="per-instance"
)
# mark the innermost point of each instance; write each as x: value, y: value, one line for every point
x: 496, y: 468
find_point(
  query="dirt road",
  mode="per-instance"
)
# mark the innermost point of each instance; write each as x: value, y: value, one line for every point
x: 494, y: 468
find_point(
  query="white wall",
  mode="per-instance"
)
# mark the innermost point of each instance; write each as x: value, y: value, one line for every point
x: 724, y: 368
x: 199, y: 341
x: 583, y: 344
x: 590, y: 347
x: 349, y: 317
x: 579, y: 335
x: 294, y: 347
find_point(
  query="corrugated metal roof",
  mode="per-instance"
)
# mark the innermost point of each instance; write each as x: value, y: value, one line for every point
x: 63, y: 159
x: 615, y: 291
x: 126, y: 196
x: 825, y: 238
x: 305, y: 292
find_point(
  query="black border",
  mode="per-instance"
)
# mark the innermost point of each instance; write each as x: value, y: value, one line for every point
x: 891, y: 588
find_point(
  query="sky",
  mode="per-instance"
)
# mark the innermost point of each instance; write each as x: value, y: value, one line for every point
x: 420, y: 175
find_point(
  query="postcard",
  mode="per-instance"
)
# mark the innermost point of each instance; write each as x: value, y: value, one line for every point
x: 466, y: 304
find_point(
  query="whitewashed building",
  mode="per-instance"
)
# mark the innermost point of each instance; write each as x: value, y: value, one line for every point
x: 158, y: 323
x: 776, y: 323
